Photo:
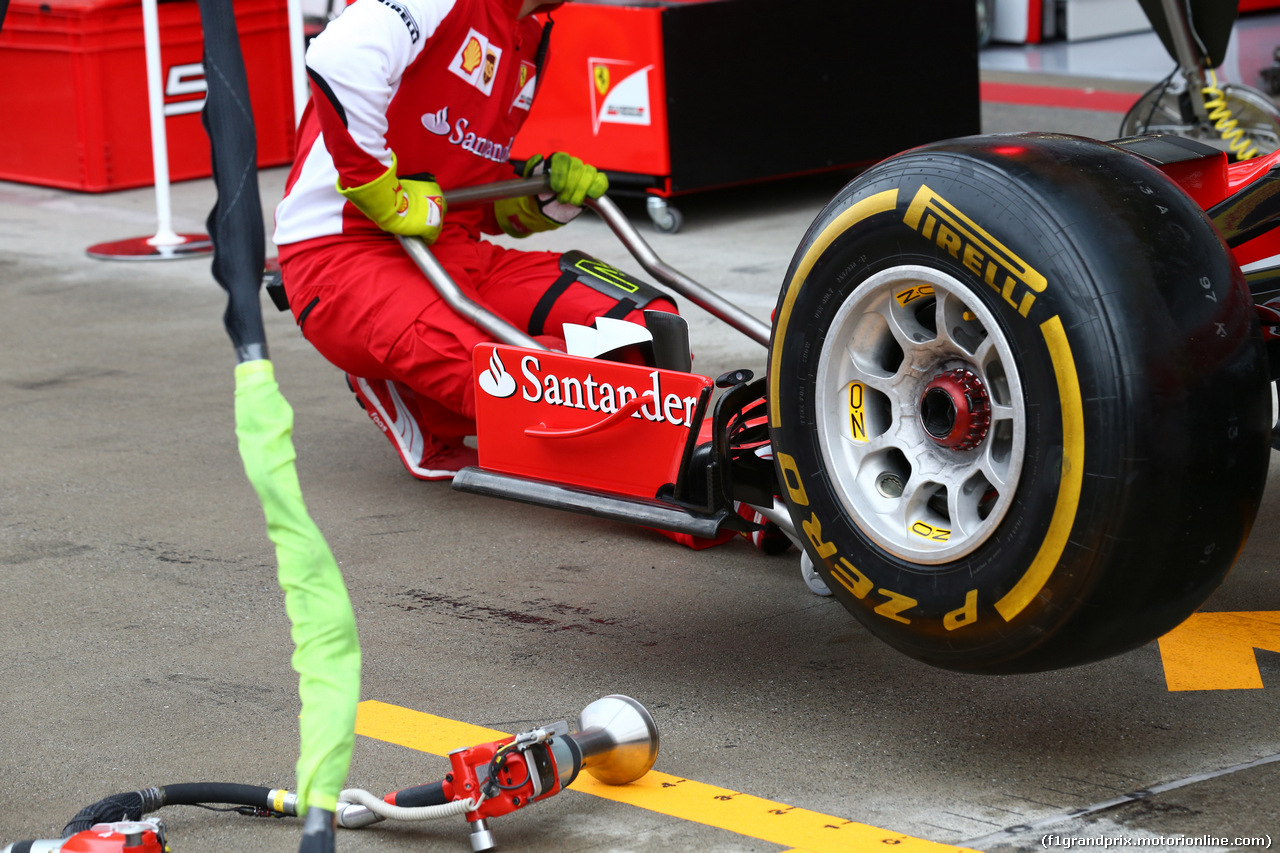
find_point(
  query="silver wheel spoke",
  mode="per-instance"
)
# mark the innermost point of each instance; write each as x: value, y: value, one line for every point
x: 904, y: 339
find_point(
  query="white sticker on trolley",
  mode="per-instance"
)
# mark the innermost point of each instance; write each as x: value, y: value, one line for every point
x: 619, y: 93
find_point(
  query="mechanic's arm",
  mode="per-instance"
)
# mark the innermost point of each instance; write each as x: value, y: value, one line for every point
x: 355, y: 66
x: 572, y: 182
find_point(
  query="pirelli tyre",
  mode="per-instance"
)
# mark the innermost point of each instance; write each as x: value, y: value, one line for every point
x: 1018, y: 402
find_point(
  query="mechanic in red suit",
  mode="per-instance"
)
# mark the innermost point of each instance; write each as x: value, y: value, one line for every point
x: 408, y: 96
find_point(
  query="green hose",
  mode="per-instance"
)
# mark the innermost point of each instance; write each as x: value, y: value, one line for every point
x: 327, y: 650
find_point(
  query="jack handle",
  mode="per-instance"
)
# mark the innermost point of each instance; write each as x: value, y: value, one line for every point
x: 604, y: 207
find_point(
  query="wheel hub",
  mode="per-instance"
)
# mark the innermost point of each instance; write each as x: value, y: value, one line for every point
x: 955, y: 409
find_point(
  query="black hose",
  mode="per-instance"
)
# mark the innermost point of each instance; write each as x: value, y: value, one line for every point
x: 197, y: 793
x: 117, y: 807
x: 134, y: 805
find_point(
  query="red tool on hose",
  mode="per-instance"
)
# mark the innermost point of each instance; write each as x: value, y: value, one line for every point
x: 127, y: 836
x: 616, y: 742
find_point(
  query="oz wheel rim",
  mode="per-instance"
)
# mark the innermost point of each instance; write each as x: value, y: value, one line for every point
x: 920, y: 414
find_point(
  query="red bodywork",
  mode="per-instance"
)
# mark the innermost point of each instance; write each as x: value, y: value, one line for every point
x: 1211, y: 180
x: 602, y: 425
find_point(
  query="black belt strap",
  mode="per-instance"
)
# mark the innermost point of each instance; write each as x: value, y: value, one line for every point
x: 540, y: 311
x: 621, y: 310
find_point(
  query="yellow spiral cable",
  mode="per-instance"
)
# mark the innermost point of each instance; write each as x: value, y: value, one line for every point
x: 1223, y: 122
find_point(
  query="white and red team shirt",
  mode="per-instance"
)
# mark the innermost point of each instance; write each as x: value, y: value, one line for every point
x: 445, y: 84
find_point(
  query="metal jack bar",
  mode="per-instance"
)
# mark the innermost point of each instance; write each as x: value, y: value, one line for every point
x: 721, y: 309
x: 460, y: 302
x: 779, y: 515
x: 1186, y: 52
x: 703, y: 297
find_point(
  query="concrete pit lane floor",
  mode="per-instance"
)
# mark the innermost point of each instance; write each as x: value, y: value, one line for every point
x: 143, y: 639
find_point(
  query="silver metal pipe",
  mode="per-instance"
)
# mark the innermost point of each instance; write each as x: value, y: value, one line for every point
x: 1179, y: 21
x: 516, y: 188
x: 604, y: 207
x: 779, y: 515
x: 355, y: 816
x: 722, y: 309
x: 1188, y: 54
x: 444, y: 284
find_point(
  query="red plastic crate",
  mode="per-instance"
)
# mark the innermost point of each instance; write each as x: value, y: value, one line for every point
x: 75, y: 91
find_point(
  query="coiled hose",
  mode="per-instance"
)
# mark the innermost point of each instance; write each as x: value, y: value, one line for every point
x: 1225, y: 123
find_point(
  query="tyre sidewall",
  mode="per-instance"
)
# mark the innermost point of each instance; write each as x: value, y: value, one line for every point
x: 1070, y: 335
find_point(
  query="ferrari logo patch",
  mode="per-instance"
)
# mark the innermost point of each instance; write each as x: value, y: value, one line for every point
x: 526, y: 85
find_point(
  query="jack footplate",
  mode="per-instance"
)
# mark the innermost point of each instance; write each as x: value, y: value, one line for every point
x: 630, y: 510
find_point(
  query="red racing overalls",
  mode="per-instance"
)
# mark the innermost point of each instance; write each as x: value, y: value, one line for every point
x: 446, y: 85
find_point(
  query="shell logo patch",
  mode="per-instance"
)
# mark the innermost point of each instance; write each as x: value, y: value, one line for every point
x: 477, y: 61
x: 472, y: 54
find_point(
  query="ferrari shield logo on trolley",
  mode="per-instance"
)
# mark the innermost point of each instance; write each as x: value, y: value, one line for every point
x: 619, y: 428
x: 619, y: 93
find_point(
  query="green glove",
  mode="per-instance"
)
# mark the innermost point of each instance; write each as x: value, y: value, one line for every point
x: 572, y: 182
x: 326, y: 648
x: 571, y: 179
x: 406, y: 206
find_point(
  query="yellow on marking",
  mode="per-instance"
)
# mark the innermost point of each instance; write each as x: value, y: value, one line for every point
x: 686, y: 799
x: 851, y: 579
x: 857, y: 416
x: 1215, y: 651
x: 791, y: 471
x: 869, y: 206
x: 965, y: 615
x: 938, y: 220
x: 927, y: 531
x: 897, y: 603
x: 911, y: 294
x: 1064, y: 509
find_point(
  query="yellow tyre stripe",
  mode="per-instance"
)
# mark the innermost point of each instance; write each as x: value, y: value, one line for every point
x: 686, y: 799
x: 869, y: 206
x: 1064, y: 509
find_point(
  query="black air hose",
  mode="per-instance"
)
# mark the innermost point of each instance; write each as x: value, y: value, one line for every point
x: 134, y: 805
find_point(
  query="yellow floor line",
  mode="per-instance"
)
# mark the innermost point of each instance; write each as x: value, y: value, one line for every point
x: 805, y: 831
x: 1216, y: 651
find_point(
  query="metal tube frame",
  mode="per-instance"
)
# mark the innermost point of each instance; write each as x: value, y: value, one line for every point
x: 754, y: 328
x: 1188, y: 55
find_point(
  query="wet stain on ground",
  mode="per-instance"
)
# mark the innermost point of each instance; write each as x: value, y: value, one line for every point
x: 33, y: 551
x: 543, y: 614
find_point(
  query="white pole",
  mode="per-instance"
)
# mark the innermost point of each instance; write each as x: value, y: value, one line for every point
x: 159, y: 142
x: 297, y: 51
x: 165, y: 244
